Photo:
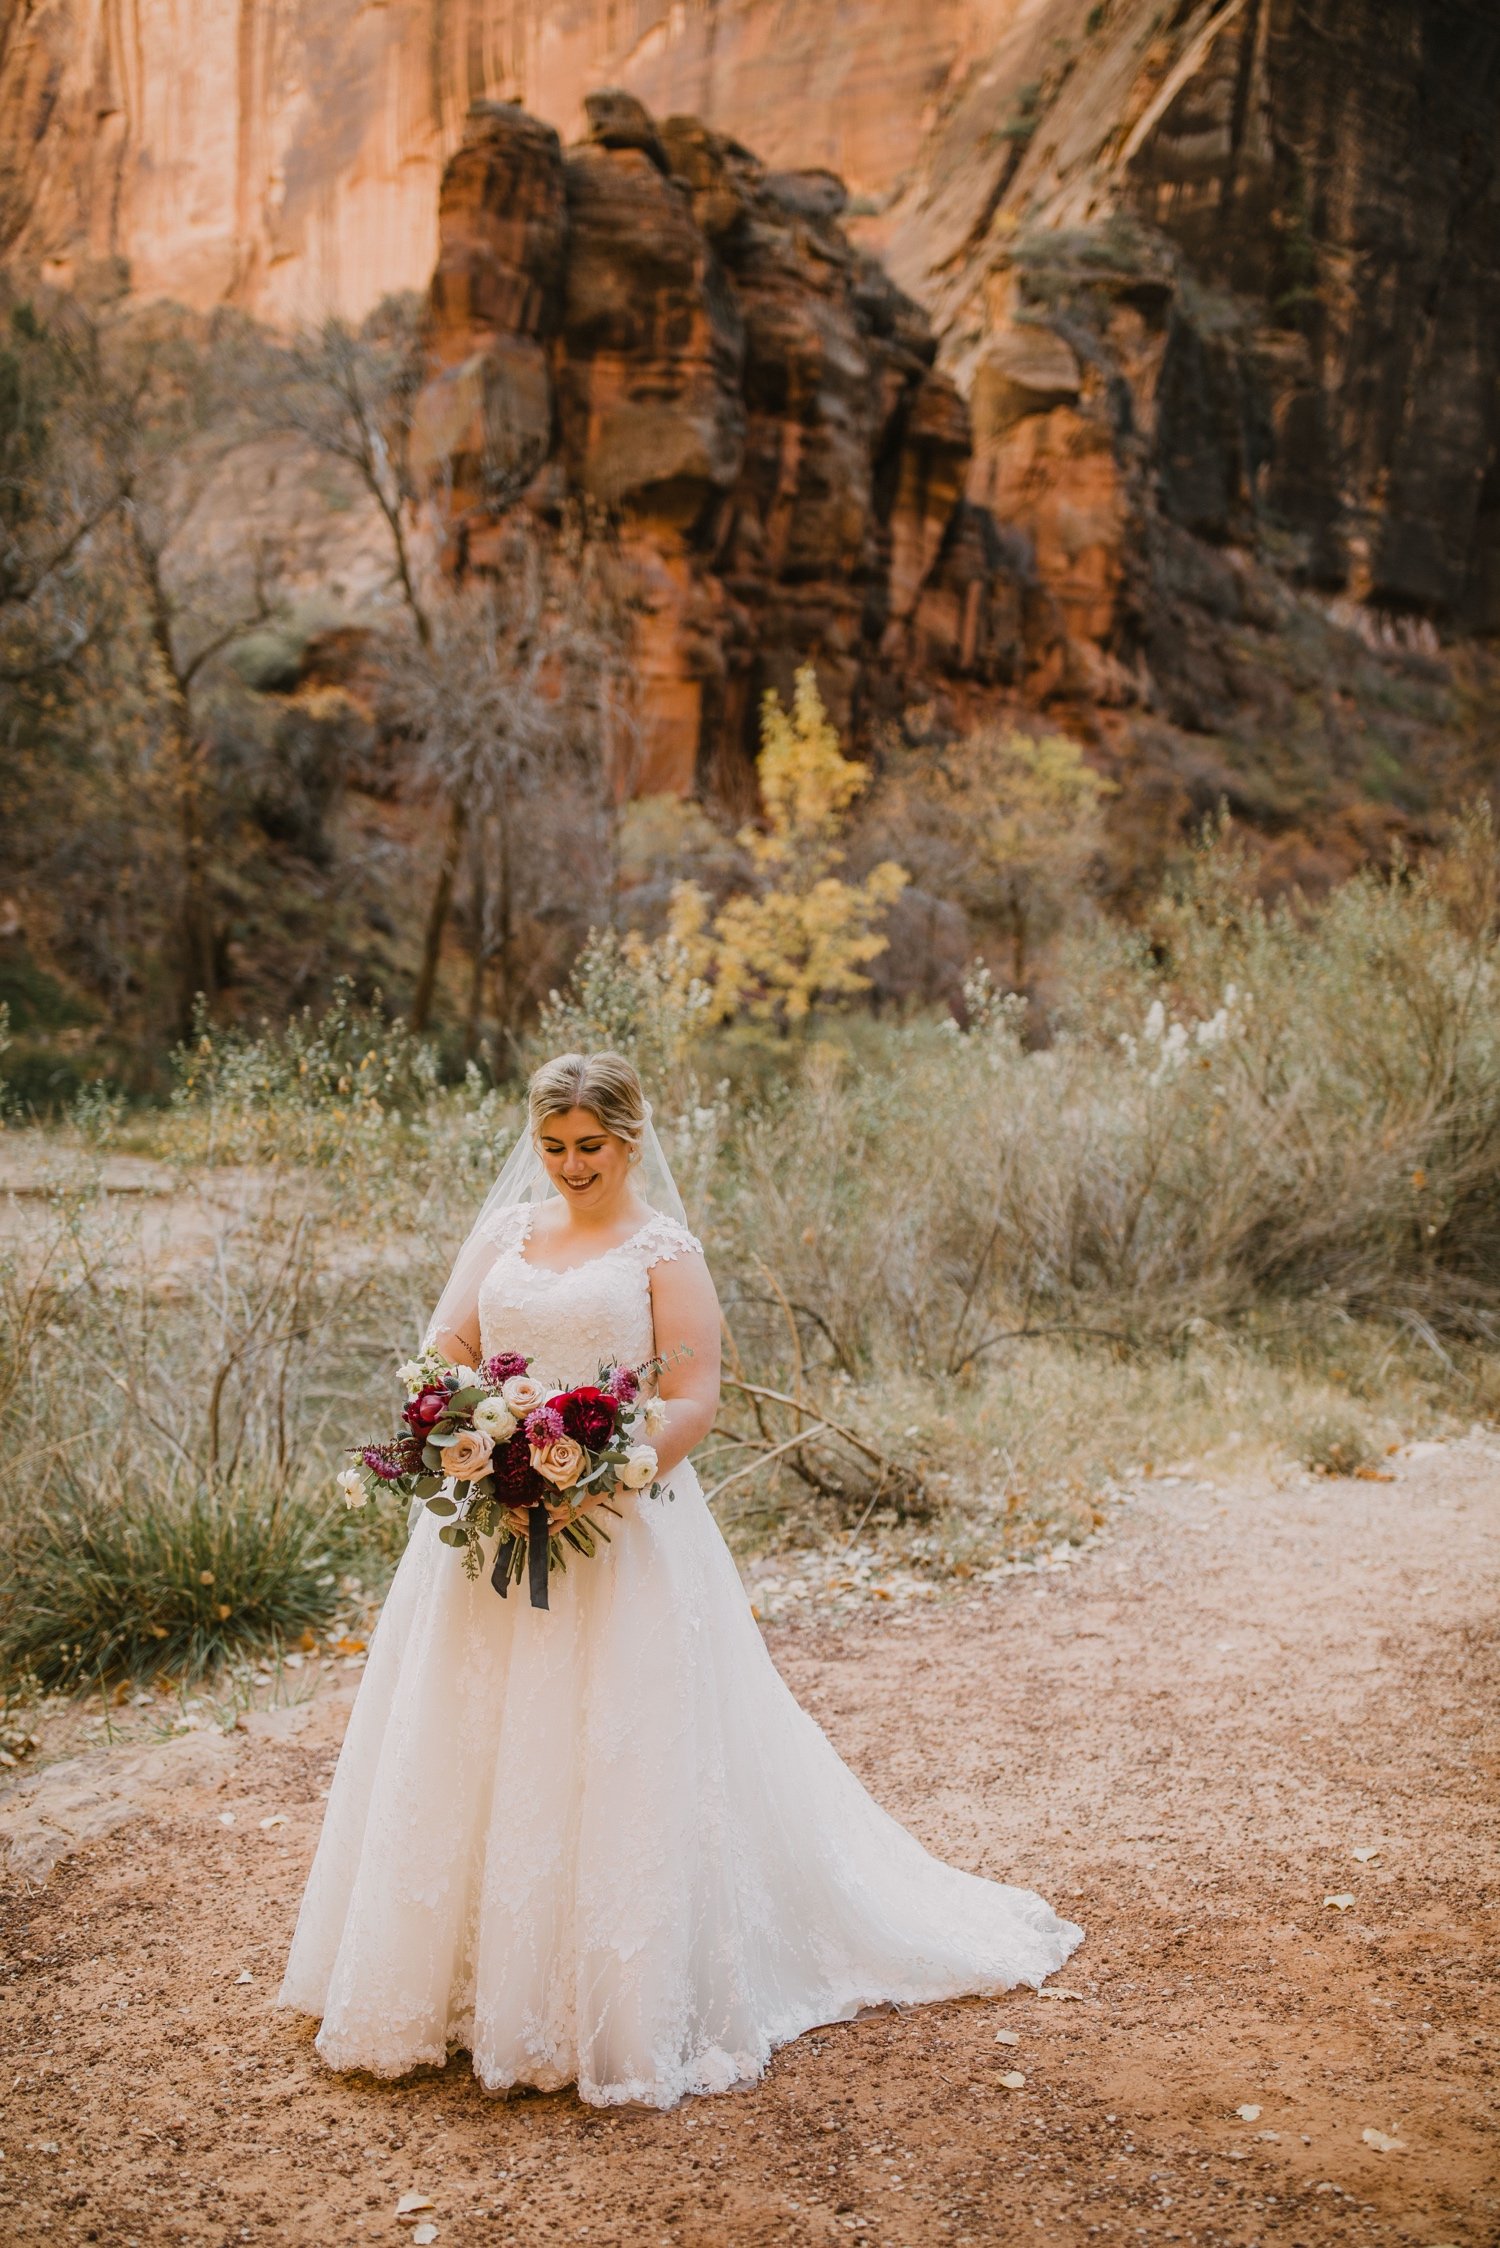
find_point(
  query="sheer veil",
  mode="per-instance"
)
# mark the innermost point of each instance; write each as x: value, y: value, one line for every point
x: 523, y: 1178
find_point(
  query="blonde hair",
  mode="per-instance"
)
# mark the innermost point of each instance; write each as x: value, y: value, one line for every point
x: 605, y: 1084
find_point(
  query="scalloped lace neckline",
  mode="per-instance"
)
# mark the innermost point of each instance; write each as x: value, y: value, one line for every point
x: 564, y: 1272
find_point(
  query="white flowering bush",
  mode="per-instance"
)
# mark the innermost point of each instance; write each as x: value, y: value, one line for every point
x: 1239, y: 1104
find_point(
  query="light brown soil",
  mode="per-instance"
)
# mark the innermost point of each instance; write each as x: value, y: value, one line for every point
x: 1182, y: 1741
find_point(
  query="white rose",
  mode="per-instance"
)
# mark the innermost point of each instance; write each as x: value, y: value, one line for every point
x: 638, y: 1467
x: 351, y: 1485
x: 522, y: 1395
x: 654, y: 1418
x: 495, y: 1417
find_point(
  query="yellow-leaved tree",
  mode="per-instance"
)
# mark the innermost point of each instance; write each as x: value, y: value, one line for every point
x: 801, y: 937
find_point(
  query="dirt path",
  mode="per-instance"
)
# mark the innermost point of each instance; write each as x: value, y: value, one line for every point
x: 1184, y: 1740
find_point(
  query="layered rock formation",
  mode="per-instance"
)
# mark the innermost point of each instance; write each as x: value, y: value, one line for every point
x: 653, y: 322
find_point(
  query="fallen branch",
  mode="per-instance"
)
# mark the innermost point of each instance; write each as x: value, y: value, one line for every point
x: 764, y: 1459
x: 779, y: 1397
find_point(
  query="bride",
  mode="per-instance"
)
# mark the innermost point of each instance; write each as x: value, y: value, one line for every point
x: 599, y: 1842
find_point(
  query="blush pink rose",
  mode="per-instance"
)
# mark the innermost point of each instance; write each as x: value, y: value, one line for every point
x: 559, y: 1463
x: 468, y: 1455
x: 522, y: 1395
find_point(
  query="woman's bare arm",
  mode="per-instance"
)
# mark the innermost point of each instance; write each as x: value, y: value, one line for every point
x: 685, y: 1310
x: 459, y: 1345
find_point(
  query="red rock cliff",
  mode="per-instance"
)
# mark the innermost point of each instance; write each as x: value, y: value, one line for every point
x: 653, y: 321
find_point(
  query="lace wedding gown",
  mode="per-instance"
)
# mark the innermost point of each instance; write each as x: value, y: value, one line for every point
x: 600, y: 1842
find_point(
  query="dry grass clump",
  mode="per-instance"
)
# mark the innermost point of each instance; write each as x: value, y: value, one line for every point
x: 1336, y: 1443
x: 1251, y: 1108
x: 174, y: 1382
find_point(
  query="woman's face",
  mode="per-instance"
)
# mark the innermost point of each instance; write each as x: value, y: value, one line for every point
x: 588, y: 1166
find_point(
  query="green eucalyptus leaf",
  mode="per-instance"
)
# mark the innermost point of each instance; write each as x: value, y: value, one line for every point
x: 443, y: 1505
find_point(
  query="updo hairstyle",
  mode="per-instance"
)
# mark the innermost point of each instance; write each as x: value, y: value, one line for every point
x: 605, y: 1084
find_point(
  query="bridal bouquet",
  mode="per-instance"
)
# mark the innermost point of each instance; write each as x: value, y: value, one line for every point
x: 484, y: 1445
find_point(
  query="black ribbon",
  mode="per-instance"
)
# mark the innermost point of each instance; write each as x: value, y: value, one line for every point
x: 538, y: 1532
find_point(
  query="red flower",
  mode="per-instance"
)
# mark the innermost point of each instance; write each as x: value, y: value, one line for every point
x: 427, y: 1406
x: 516, y: 1480
x: 588, y: 1416
x: 504, y: 1366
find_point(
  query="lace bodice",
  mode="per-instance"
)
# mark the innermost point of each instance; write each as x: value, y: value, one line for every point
x: 567, y: 1323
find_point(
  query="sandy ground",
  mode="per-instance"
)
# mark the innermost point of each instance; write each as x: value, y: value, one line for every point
x: 1184, y: 1740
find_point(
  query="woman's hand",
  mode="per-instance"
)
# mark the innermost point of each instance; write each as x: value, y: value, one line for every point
x: 558, y: 1517
x: 517, y: 1519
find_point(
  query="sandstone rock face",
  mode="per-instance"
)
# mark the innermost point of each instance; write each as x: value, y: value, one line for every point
x: 1325, y: 169
x: 1255, y: 246
x: 287, y: 153
x: 712, y: 361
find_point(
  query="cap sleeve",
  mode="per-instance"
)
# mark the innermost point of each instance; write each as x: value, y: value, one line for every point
x: 661, y: 1239
x: 505, y: 1228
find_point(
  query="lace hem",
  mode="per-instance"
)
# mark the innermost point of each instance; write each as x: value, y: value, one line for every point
x: 709, y: 2070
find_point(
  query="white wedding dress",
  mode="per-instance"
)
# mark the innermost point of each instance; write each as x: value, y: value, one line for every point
x: 600, y: 1842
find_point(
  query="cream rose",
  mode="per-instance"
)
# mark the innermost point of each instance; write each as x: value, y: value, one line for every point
x: 560, y: 1463
x: 655, y: 1416
x: 638, y: 1468
x: 352, y: 1487
x: 495, y: 1417
x: 468, y: 1455
x: 522, y: 1395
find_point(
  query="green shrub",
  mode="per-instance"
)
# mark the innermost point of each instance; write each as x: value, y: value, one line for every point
x: 312, y: 1087
x: 125, y: 1579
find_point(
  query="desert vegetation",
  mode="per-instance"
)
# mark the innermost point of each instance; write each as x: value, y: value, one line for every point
x: 253, y: 738
x: 1242, y: 1199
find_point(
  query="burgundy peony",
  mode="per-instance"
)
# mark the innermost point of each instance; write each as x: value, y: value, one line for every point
x: 516, y: 1480
x: 429, y: 1405
x: 625, y: 1385
x: 587, y: 1415
x: 504, y: 1367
